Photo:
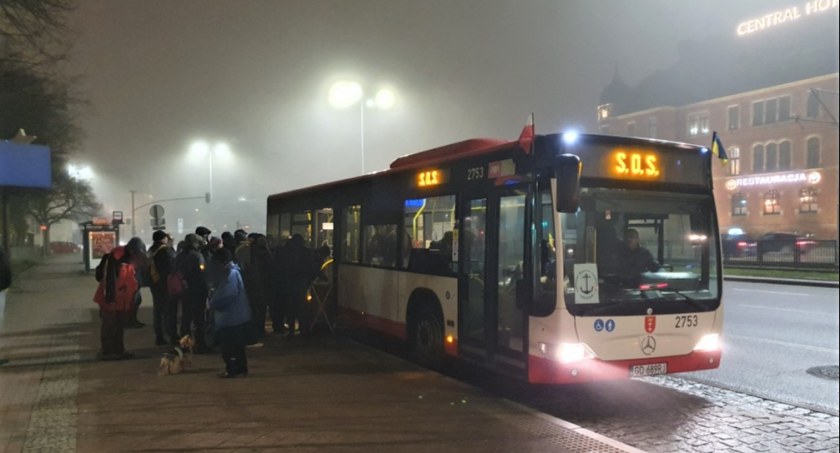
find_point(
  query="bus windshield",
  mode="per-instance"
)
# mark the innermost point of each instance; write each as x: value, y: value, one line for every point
x: 627, y: 251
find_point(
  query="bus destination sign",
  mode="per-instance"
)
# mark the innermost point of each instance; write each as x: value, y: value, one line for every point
x: 635, y: 164
x: 431, y: 178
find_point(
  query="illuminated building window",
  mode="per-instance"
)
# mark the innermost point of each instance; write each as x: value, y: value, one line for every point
x: 698, y: 124
x: 631, y: 129
x: 651, y: 123
x: 771, y: 157
x: 785, y: 155
x: 739, y: 204
x: 771, y: 203
x: 604, y: 111
x: 758, y: 158
x: 734, y: 121
x: 808, y: 200
x: 734, y: 161
x: 813, y: 153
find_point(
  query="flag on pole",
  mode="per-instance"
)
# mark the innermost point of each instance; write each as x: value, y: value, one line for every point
x: 526, y: 138
x: 718, y: 150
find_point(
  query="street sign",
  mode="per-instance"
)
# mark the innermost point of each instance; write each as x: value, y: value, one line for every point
x: 117, y: 218
x: 156, y: 211
x: 180, y: 226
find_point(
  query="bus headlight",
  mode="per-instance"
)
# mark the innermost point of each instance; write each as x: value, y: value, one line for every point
x: 567, y: 352
x: 710, y: 342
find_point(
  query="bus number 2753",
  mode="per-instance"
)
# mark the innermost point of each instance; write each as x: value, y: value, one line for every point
x: 686, y: 321
x: 475, y: 173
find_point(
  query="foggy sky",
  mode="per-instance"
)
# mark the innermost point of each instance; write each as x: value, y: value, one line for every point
x: 162, y: 73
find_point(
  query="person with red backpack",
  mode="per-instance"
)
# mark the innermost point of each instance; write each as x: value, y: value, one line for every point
x: 115, y: 296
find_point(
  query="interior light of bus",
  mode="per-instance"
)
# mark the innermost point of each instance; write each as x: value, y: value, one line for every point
x: 709, y: 342
x: 635, y: 164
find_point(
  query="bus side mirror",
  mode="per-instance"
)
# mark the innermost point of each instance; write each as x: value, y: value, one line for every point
x: 568, y: 183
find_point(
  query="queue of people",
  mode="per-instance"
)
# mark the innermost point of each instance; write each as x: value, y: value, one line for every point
x: 218, y: 290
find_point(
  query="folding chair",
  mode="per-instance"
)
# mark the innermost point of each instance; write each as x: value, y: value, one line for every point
x: 320, y: 292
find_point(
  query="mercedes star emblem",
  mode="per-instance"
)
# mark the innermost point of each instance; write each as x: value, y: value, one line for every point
x: 648, y: 345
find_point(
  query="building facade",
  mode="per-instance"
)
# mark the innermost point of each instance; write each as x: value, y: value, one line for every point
x: 779, y: 127
x: 782, y: 144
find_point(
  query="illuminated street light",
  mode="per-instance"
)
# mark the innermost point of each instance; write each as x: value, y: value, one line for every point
x: 201, y: 149
x: 80, y: 173
x: 344, y: 94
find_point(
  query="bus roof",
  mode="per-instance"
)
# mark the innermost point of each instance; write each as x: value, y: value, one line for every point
x: 451, y: 151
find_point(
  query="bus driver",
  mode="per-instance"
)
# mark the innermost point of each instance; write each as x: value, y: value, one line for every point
x: 634, y: 258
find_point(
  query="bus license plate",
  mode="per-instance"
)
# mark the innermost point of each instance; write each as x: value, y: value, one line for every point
x: 648, y: 370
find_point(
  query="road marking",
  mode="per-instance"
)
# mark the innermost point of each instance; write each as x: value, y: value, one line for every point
x: 792, y: 310
x: 783, y: 343
x: 768, y: 292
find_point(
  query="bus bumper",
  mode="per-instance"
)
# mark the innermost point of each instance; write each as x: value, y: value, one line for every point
x: 542, y: 370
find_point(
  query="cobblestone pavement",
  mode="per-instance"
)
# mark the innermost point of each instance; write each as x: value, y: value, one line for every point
x: 723, y: 421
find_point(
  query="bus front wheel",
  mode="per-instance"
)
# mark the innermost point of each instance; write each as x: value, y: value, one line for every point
x: 427, y: 337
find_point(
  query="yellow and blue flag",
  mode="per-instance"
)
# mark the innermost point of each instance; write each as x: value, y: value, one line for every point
x: 718, y: 150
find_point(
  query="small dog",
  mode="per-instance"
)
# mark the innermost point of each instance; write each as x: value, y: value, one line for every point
x: 179, y: 358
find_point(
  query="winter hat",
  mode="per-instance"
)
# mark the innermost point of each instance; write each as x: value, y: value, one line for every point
x: 158, y: 235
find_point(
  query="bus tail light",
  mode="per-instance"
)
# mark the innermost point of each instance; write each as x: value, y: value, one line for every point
x: 709, y: 342
x: 567, y: 352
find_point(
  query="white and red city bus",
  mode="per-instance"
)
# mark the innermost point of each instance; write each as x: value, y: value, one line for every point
x: 507, y: 254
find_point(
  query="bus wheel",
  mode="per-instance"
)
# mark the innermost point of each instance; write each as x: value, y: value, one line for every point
x: 427, y: 337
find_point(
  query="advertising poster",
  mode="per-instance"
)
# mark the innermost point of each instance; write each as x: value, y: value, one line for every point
x: 101, y: 242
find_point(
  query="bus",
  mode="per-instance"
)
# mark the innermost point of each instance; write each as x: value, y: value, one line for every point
x: 506, y: 254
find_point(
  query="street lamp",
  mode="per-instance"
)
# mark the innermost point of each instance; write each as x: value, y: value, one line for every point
x: 79, y: 172
x: 344, y: 94
x: 201, y: 149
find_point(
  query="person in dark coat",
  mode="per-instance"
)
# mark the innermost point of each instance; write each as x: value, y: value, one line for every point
x: 161, y: 263
x: 298, y: 268
x: 194, y: 300
x: 137, y: 251
x: 231, y: 313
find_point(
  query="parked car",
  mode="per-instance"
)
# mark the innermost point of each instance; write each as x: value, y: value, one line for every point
x: 785, y: 242
x: 737, y: 245
x: 64, y: 247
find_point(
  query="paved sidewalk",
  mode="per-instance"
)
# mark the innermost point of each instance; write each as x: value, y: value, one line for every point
x: 320, y: 394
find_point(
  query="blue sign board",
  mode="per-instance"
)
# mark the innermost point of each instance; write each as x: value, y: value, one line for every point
x: 25, y: 165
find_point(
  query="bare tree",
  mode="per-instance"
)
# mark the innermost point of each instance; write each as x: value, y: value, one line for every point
x: 33, y: 33
x: 37, y: 96
x: 68, y: 199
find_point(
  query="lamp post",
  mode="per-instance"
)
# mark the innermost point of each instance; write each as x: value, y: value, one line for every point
x: 203, y: 149
x: 344, y: 94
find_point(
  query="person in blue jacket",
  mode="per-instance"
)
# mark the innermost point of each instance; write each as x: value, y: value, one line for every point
x: 231, y: 313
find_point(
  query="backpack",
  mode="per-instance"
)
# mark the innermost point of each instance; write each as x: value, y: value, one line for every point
x: 153, y: 270
x: 176, y: 284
